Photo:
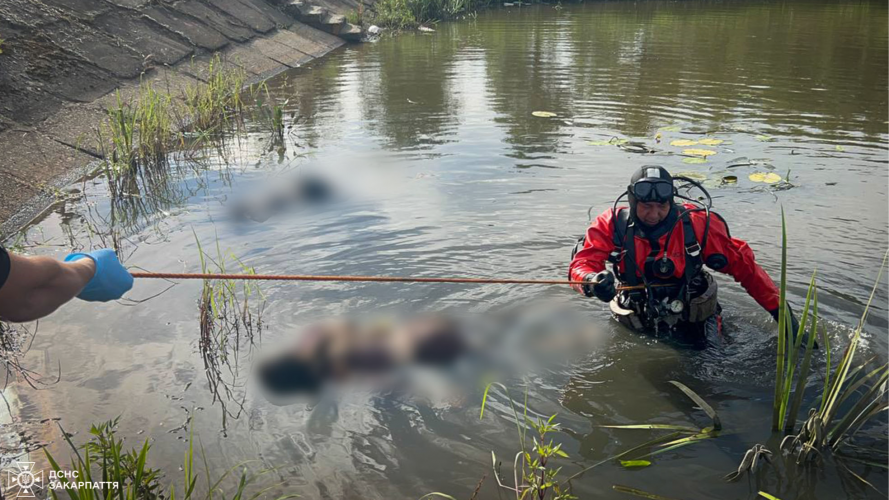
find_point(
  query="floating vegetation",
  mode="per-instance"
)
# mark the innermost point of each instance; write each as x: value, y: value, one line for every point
x: 695, y: 176
x: 639, y: 493
x: 840, y: 148
x: 699, y: 152
x: 614, y: 141
x: 635, y: 147
x: 710, y: 142
x: 683, y: 142
x: 544, y: 114
x: 634, y: 464
x: 765, y: 138
x: 694, y: 160
x: 671, y: 128
x: 766, y: 177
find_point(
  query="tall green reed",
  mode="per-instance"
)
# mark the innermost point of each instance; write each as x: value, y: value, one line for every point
x: 103, y: 459
x: 846, y: 402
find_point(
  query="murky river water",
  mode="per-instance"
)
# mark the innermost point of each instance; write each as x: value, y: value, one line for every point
x: 483, y: 188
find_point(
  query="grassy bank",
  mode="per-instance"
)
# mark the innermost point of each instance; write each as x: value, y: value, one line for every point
x: 400, y: 14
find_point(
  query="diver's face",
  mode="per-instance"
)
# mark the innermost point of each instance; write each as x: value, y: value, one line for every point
x: 652, y: 213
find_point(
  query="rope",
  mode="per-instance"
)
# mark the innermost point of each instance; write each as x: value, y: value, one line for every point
x: 378, y: 279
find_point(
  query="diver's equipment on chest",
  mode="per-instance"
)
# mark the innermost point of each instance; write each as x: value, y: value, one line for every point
x: 664, y: 307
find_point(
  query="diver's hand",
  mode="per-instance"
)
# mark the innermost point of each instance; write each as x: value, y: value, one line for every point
x: 110, y: 281
x: 601, y: 285
x: 794, y: 325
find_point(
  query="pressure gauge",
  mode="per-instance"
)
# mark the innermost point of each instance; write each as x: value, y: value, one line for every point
x: 677, y: 306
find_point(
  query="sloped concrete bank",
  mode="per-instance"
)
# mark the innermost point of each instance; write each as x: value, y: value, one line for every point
x: 63, y: 62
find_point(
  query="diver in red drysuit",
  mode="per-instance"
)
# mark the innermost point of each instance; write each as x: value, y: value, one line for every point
x: 658, y: 248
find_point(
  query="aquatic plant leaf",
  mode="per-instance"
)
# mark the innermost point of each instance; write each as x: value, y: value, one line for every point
x: 717, y: 425
x: 437, y: 494
x: 599, y: 143
x: 768, y: 496
x: 807, y: 357
x: 840, y: 148
x: 710, y: 142
x: 683, y: 142
x: 654, y: 426
x: 618, y: 142
x: 671, y: 128
x: 767, y: 177
x: 638, y: 493
x: 842, y: 370
x: 782, y: 321
x: 765, y: 138
x: 694, y: 160
x: 544, y: 114
x: 850, y: 471
x: 695, y: 176
x: 635, y: 463
x: 698, y: 152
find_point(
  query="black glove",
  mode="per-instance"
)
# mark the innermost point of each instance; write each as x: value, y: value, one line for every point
x: 794, y: 325
x: 601, y: 286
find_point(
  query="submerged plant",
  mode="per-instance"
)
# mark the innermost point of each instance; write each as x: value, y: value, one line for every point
x: 228, y: 322
x: 115, y: 473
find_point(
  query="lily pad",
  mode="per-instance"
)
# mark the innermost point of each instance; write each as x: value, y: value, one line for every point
x: 765, y: 138
x: 544, y: 114
x: 635, y: 463
x: 699, y: 152
x: 710, y: 142
x: 694, y: 160
x: 671, y: 128
x: 695, y: 176
x: 840, y: 148
x: 683, y: 142
x: 767, y: 177
x: 614, y: 141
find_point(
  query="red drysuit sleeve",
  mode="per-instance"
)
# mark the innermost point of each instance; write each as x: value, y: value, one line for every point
x: 597, y: 245
x: 741, y: 264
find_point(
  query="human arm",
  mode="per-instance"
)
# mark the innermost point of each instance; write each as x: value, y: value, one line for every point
x: 734, y: 257
x: 37, y: 286
x: 590, y: 260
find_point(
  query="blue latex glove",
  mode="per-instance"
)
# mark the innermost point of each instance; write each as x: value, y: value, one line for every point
x: 111, y: 280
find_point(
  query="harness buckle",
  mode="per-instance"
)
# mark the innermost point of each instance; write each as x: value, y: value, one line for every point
x: 693, y: 250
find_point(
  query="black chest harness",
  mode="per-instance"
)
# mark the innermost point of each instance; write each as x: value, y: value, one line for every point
x: 624, y: 234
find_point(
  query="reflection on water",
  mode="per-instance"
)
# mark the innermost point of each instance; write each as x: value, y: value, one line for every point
x: 448, y: 173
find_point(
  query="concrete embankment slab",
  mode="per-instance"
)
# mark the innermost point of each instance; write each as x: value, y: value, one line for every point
x: 249, y: 16
x: 199, y: 34
x: 228, y: 26
x: 148, y: 39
